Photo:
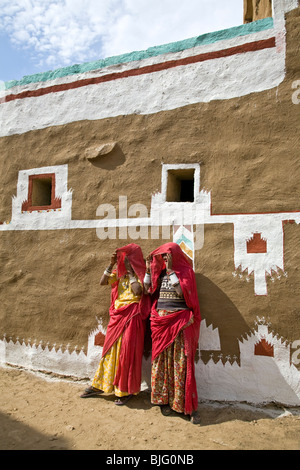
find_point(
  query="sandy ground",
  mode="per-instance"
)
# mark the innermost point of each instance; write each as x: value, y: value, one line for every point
x: 39, y: 412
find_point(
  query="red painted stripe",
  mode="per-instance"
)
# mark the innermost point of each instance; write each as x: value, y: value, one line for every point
x: 248, y: 47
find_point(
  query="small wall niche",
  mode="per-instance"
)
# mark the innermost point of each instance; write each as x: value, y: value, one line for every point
x: 42, y: 191
x: 180, y: 187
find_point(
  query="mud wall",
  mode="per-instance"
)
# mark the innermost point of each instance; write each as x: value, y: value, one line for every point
x: 247, y: 149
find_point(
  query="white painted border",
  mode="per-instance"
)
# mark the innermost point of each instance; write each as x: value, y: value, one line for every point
x: 170, y: 56
x: 257, y: 380
x: 166, y: 214
x: 39, y: 219
x: 217, y: 79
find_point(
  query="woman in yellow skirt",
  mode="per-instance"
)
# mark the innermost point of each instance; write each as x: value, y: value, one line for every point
x: 119, y: 370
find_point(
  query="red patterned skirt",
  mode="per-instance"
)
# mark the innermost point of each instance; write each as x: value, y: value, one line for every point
x: 168, y: 374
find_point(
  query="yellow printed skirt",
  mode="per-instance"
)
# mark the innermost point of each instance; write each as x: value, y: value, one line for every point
x: 106, y: 372
x: 168, y: 375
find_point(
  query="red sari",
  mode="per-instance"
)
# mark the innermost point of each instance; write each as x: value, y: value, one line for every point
x: 166, y: 328
x: 129, y: 321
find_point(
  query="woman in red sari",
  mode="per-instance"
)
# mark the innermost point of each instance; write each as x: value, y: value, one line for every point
x: 175, y: 326
x: 119, y: 370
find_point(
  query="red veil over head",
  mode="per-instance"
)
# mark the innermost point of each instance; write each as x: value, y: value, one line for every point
x: 166, y: 328
x: 135, y: 256
x: 180, y: 262
x: 128, y: 321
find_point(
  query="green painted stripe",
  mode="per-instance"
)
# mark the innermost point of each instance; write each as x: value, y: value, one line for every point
x: 204, y: 39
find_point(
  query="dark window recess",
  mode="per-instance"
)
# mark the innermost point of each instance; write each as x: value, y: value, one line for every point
x: 180, y: 186
x: 41, y: 192
x: 187, y: 191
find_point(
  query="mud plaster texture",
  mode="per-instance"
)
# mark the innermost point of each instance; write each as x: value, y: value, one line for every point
x: 249, y: 153
x: 52, y: 292
x: 257, y: 9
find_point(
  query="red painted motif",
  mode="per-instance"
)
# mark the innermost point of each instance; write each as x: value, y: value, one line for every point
x: 99, y: 339
x: 263, y: 348
x: 257, y: 244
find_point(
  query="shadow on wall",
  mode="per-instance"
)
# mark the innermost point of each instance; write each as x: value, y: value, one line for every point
x: 220, y: 312
x: 107, y: 156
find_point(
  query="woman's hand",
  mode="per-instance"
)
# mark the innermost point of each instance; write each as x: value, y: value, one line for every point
x: 128, y: 266
x: 135, y: 286
x: 148, y: 263
x: 169, y: 261
x: 189, y: 323
x: 107, y: 272
x: 113, y: 259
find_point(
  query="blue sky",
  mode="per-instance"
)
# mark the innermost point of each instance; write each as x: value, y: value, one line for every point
x: 41, y: 35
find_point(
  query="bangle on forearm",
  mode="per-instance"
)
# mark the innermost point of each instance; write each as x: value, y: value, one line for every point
x: 132, y: 279
x: 107, y: 271
x: 147, y: 278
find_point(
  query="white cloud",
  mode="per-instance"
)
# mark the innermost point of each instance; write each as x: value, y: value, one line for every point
x: 144, y: 24
x: 64, y: 32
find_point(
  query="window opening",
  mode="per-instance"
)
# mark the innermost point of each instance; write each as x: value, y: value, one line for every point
x: 41, y: 192
x: 180, y: 186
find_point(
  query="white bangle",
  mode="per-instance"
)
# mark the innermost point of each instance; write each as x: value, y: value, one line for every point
x: 174, y: 279
x: 132, y: 280
x: 107, y: 273
x: 147, y: 278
